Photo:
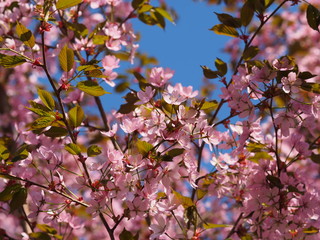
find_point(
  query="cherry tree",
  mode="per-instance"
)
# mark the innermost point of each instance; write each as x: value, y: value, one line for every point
x: 171, y: 162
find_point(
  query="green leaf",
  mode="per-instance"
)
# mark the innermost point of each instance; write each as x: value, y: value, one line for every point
x: 4, y: 153
x: 186, y: 202
x: 8, y: 61
x: 228, y: 20
x: 144, y: 8
x: 73, y: 149
x: 66, y: 58
x: 40, y: 112
x: 164, y: 14
x: 247, y: 13
x: 168, y: 157
x: 88, y: 67
x: 46, y: 228
x: 311, y: 87
x: 21, y: 153
x: 76, y: 116
x: 209, y: 105
x: 42, y: 122
x: 313, y: 17
x: 250, y: 53
x: 306, y: 75
x: 225, y: 30
x: 126, y: 235
x: 80, y: 30
x: 96, y: 73
x: 100, y: 39
x: 268, y: 3
x: 144, y: 147
x: 39, y: 236
x: 93, y: 150
x: 212, y: 225
x: 315, y: 158
x: 39, y: 106
x: 128, y: 107
x: 255, y: 147
x: 92, y: 88
x: 9, y: 191
x: 311, y: 230
x: 260, y: 156
x: 147, y: 19
x: 56, y: 132
x: 208, y: 73
x: 46, y: 98
x: 18, y: 199
x: 121, y: 87
x: 201, y: 193
x: 25, y: 35
x: 274, y: 181
x: 63, y: 4
x: 137, y: 3
x: 221, y: 67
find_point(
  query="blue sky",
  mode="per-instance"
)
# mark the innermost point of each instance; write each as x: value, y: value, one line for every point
x: 183, y: 46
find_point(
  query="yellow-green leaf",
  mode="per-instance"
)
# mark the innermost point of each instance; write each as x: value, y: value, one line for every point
x: 184, y: 201
x: 164, y: 14
x: 46, y: 98
x: 63, y: 4
x: 93, y: 150
x: 66, y: 58
x: 92, y: 88
x: 225, y: 30
x: 144, y: 147
x: 73, y: 149
x: 42, y: 122
x: 25, y: 35
x: 76, y: 116
x: 18, y: 199
x: 8, y: 61
x: 212, y: 225
x: 4, y: 152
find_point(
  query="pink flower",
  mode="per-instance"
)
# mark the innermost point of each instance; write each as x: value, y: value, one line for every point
x: 159, y: 76
x: 291, y: 83
x: 159, y: 228
x: 145, y: 96
x: 173, y: 96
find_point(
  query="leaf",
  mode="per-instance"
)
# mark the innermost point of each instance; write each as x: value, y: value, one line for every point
x: 40, y: 112
x: 201, y: 193
x: 42, y: 122
x: 137, y: 3
x: 93, y: 150
x: 311, y: 87
x: 76, y: 116
x: 260, y: 156
x: 126, y: 235
x: 18, y: 199
x: 221, y: 67
x: 315, y: 158
x: 63, y: 4
x: 128, y: 107
x: 80, y: 30
x: 250, y: 52
x: 274, y: 181
x: 228, y: 20
x: 225, y: 30
x: 164, y: 14
x: 9, y: 191
x: 212, y: 225
x: 56, y: 132
x: 184, y: 201
x: 96, y: 73
x: 46, y: 98
x: 306, y: 75
x: 313, y: 17
x: 25, y: 35
x: 4, y: 153
x: 168, y: 156
x: 46, y: 228
x: 66, y: 58
x: 121, y: 87
x: 8, y: 61
x: 21, y: 153
x: 39, y: 236
x: 247, y: 13
x: 92, y: 88
x: 144, y: 147
x: 147, y: 19
x: 311, y: 230
x: 208, y: 73
x: 255, y: 147
x: 159, y: 18
x: 73, y: 149
x: 209, y: 105
x: 100, y: 39
x: 144, y: 8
